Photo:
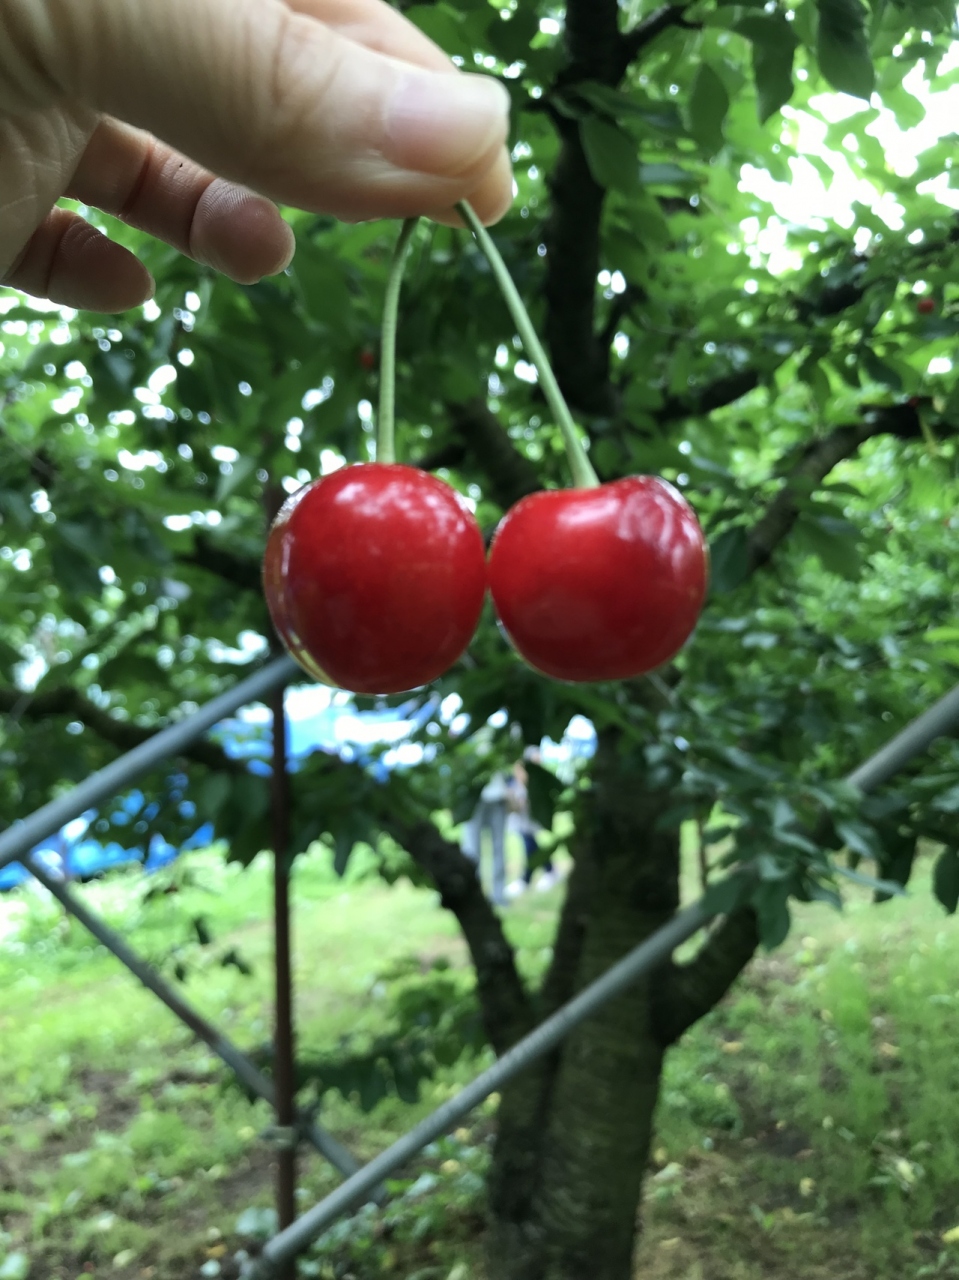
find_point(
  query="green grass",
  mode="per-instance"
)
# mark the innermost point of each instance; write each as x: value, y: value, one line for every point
x: 810, y: 1126
x: 808, y: 1129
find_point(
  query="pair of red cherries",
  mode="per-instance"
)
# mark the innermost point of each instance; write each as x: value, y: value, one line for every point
x: 375, y: 577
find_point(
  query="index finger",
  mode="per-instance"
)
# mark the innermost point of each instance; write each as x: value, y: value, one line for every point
x: 379, y: 27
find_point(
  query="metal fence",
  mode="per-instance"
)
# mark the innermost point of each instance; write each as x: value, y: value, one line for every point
x: 20, y: 838
x: 366, y: 1183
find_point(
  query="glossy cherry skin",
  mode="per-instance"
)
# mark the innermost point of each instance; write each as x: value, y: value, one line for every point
x: 599, y: 584
x: 375, y: 577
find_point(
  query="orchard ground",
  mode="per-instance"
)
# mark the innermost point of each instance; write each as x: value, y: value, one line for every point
x: 809, y: 1128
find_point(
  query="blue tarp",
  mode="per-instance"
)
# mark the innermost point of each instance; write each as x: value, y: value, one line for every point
x: 335, y: 727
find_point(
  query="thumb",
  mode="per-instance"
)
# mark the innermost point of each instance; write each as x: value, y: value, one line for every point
x: 278, y: 100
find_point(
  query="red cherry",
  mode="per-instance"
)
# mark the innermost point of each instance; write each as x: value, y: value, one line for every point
x: 600, y: 584
x: 375, y: 577
x: 367, y: 358
x: 926, y: 306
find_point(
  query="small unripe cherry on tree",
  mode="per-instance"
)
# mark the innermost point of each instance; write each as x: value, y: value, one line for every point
x: 926, y: 306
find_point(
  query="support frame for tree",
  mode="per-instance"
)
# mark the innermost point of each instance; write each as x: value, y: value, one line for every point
x: 278, y: 1256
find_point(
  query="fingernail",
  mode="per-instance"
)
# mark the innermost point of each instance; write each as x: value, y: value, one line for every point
x: 444, y: 123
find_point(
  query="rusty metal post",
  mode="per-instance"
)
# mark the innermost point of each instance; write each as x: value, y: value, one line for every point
x: 284, y: 1054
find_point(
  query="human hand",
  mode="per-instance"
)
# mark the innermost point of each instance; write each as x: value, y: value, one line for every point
x: 188, y: 118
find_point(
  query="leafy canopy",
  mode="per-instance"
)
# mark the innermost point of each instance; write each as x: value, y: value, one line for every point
x: 780, y: 371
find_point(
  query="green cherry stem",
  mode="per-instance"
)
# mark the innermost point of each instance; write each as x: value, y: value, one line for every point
x: 386, y: 417
x: 584, y: 477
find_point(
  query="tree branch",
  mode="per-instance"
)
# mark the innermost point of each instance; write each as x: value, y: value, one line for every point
x: 71, y: 704
x: 817, y: 460
x: 237, y: 570
x: 685, y: 993
x: 715, y: 395
x: 572, y: 235
x: 504, y: 1002
x: 619, y: 309
x: 634, y: 41
x: 448, y: 456
x: 480, y: 437
x: 511, y: 474
x: 572, y: 264
x: 597, y: 51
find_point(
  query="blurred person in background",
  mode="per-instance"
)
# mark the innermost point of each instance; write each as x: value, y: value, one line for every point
x: 490, y: 815
x: 526, y: 827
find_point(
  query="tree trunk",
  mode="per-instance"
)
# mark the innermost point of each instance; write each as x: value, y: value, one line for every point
x: 600, y: 1126
x: 574, y: 1139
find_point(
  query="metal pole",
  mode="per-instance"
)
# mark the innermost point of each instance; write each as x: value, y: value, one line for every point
x: 547, y: 1035
x: 21, y: 837
x: 284, y: 1070
x: 916, y: 737
x: 645, y: 957
x: 245, y: 1071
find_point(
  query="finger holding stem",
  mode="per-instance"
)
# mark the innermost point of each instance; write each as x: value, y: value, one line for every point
x: 584, y: 477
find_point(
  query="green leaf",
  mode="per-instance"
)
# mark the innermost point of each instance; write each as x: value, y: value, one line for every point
x: 14, y: 506
x: 511, y: 39
x: 244, y: 820
x: 878, y: 370
x: 888, y: 888
x: 241, y: 471
x: 326, y: 294
x: 74, y: 570
x: 372, y: 1084
x: 774, y: 47
x: 606, y: 100
x: 129, y: 667
x: 945, y: 879
x: 201, y: 928
x: 87, y: 536
x: 544, y: 789
x: 666, y: 175
x: 211, y: 795
x: 15, y: 1266
x: 823, y: 893
x: 729, y: 559
x: 708, y: 105
x: 948, y: 802
x: 407, y: 1077
x: 343, y: 843
x: 843, y: 47
x: 233, y: 959
x: 908, y: 110
x: 724, y: 896
x: 610, y: 153
x: 771, y: 901
x: 858, y: 837
x: 833, y: 542
x: 443, y: 26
